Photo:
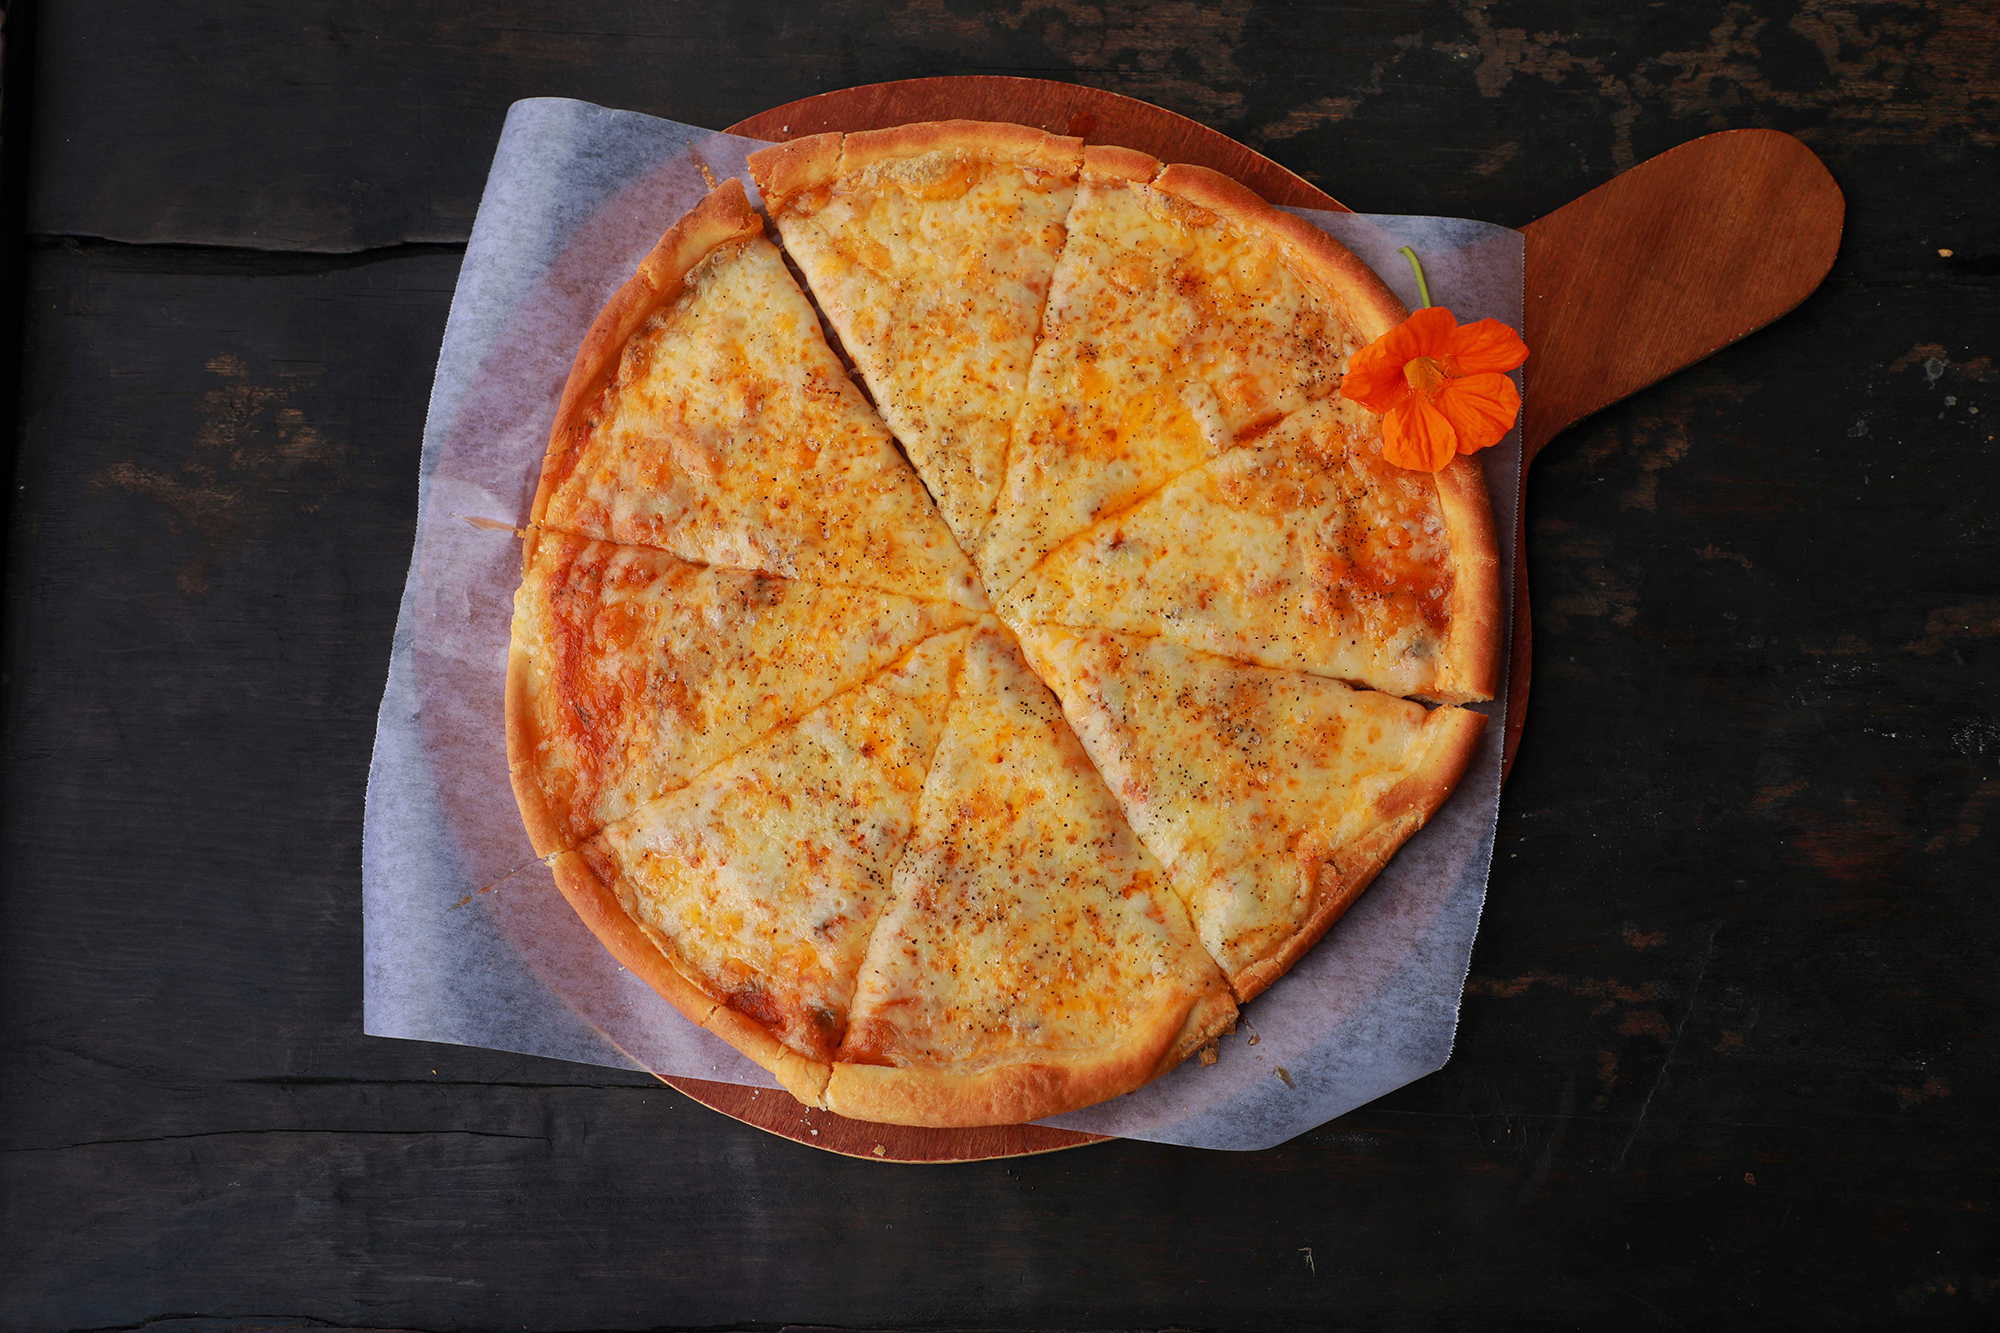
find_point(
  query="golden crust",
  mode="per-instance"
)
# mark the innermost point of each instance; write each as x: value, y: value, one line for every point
x: 786, y: 170
x: 628, y: 941
x: 1468, y: 668
x: 1107, y: 162
x: 1014, y: 1093
x: 1452, y: 736
x: 1000, y: 141
x: 546, y: 832
x: 1374, y: 307
x: 723, y: 217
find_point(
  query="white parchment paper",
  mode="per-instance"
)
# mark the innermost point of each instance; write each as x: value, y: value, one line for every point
x: 466, y: 937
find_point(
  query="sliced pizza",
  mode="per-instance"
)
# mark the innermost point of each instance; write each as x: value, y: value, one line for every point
x: 632, y: 671
x: 707, y: 416
x: 1185, y: 313
x: 1032, y: 958
x: 930, y: 249
x: 1272, y: 797
x: 747, y: 897
x: 1303, y: 550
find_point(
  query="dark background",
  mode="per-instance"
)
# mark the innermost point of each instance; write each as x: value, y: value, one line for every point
x: 1727, y: 1055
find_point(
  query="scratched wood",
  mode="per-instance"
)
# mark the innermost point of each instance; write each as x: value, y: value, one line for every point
x: 1726, y: 1058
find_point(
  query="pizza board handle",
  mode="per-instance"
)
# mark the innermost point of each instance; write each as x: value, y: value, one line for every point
x: 1649, y: 273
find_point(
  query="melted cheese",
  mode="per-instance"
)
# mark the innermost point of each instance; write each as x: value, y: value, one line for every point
x: 731, y: 435
x: 646, y: 670
x: 1304, y: 551
x: 764, y: 877
x: 1168, y: 336
x: 933, y: 269
x: 1026, y: 919
x: 1243, y: 781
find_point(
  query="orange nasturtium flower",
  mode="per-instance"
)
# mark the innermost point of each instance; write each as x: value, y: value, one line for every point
x: 1441, y: 390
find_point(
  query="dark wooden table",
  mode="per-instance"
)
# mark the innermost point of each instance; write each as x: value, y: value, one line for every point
x: 1727, y: 1056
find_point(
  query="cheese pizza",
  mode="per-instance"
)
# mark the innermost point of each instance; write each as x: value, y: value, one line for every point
x: 966, y: 744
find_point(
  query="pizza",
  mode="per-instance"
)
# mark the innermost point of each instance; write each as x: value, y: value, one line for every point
x: 966, y: 648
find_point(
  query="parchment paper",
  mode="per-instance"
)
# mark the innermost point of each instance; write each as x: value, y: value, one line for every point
x: 466, y: 937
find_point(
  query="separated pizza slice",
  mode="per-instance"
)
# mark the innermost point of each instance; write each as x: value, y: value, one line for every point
x: 1272, y: 797
x: 1032, y: 958
x: 631, y: 671
x: 1184, y: 314
x: 747, y: 897
x: 707, y: 416
x: 930, y: 248
x: 1302, y: 550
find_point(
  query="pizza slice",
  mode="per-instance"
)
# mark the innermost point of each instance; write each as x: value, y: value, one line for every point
x: 1272, y: 797
x: 632, y: 671
x: 1184, y: 314
x: 707, y: 416
x: 1304, y: 550
x: 930, y: 248
x: 747, y: 897
x: 1032, y: 958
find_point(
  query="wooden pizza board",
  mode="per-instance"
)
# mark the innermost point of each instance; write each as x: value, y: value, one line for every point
x: 1712, y: 240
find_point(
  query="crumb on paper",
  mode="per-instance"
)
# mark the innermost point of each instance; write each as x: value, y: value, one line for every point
x: 1285, y: 1076
x: 1209, y: 1055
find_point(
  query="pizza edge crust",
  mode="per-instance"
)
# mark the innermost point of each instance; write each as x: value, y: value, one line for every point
x: 1030, y: 1089
x: 1348, y: 869
x: 724, y: 215
x: 791, y: 168
x: 1320, y: 255
x: 1468, y: 669
x: 597, y: 904
x: 799, y: 166
x: 546, y: 833
x: 1109, y: 162
x: 1000, y: 140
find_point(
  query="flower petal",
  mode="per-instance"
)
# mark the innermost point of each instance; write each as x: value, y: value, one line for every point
x: 1480, y: 408
x: 1485, y: 346
x: 1374, y: 381
x: 1427, y: 331
x: 1418, y: 436
x: 1375, y: 373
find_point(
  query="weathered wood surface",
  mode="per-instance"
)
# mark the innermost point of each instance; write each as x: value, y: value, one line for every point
x: 1727, y: 1056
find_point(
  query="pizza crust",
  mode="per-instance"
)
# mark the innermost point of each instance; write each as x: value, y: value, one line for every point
x: 798, y: 166
x: 1468, y: 669
x: 1020, y: 145
x: 1108, y: 162
x: 632, y: 945
x: 547, y: 833
x: 1319, y: 257
x: 1016, y: 1093
x: 1352, y: 867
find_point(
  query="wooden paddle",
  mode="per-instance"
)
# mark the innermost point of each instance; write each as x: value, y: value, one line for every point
x: 1708, y: 242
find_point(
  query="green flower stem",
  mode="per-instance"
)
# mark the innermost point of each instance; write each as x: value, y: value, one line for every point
x: 1423, y: 288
